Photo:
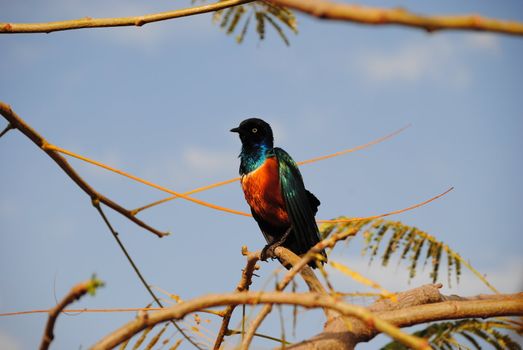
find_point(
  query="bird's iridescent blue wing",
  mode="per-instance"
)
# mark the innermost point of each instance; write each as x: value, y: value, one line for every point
x: 301, y: 205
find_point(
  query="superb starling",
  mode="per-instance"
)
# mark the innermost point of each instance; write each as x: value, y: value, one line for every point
x: 274, y: 189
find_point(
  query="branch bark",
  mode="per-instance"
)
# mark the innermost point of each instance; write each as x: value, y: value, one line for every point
x: 325, y: 9
x: 88, y: 22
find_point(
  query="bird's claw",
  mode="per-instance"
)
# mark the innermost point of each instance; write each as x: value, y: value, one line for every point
x: 268, y: 252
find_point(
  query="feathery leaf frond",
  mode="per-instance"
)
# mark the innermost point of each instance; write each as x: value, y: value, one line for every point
x: 443, y: 335
x: 407, y: 243
x: 262, y: 12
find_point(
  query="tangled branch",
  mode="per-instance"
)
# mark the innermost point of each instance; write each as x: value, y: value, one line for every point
x: 308, y: 300
x: 381, y: 317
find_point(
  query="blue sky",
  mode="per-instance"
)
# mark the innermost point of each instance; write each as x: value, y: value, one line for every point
x: 158, y: 101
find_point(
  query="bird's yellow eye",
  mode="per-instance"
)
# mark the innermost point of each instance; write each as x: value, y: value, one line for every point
x: 254, y: 130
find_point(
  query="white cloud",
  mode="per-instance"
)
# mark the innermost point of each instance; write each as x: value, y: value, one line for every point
x: 209, y: 161
x: 437, y: 59
x: 411, y: 62
x: 483, y: 41
x: 7, y: 342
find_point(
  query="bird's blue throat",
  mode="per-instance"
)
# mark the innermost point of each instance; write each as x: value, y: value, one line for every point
x: 254, y: 157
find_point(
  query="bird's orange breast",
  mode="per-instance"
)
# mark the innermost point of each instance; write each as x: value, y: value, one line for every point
x: 262, y: 191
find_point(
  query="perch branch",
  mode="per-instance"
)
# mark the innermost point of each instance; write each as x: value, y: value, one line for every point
x: 288, y: 258
x: 25, y: 129
x: 74, y: 294
x: 88, y: 22
x: 325, y: 9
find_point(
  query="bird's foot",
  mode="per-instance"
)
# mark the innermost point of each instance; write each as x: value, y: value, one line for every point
x: 268, y: 252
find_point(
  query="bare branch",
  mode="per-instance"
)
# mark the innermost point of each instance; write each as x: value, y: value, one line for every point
x: 88, y: 22
x: 288, y: 258
x: 41, y: 142
x: 325, y: 9
x: 243, y: 285
x: 307, y: 300
x: 75, y: 293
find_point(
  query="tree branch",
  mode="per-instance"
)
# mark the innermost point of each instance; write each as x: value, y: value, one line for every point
x: 417, y: 306
x: 288, y: 258
x: 75, y: 293
x: 243, y: 285
x: 18, y: 123
x: 88, y: 22
x: 307, y: 300
x: 325, y: 9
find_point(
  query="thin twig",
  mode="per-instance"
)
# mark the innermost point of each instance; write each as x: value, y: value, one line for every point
x: 42, y: 143
x: 88, y: 22
x: 259, y: 335
x: 243, y: 285
x: 75, y: 293
x: 325, y: 9
x: 308, y: 161
x: 399, y: 211
x: 96, y: 204
x: 143, y: 181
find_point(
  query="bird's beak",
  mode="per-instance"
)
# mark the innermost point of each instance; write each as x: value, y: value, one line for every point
x: 235, y: 130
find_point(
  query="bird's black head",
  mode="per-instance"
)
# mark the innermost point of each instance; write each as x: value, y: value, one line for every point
x: 254, y: 133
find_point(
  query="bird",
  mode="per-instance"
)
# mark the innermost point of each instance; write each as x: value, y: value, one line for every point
x: 274, y: 189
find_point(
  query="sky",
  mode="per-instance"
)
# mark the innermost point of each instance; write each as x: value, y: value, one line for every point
x: 158, y: 101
